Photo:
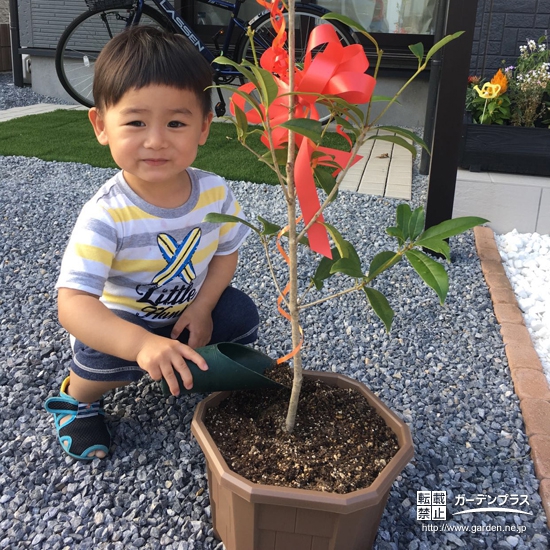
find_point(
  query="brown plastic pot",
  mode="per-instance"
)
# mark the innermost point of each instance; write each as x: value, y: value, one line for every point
x: 251, y: 516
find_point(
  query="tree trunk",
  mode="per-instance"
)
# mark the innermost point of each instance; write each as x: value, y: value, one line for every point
x: 292, y: 242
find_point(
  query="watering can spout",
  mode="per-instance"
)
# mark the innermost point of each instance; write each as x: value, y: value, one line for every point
x: 230, y: 367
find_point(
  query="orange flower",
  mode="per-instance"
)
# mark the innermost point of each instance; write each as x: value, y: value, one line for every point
x: 501, y: 80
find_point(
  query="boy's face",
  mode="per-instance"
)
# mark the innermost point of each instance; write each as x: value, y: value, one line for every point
x: 153, y: 134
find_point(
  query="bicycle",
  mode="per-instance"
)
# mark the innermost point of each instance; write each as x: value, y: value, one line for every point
x: 85, y: 37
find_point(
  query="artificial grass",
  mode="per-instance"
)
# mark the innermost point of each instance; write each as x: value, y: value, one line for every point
x: 67, y: 136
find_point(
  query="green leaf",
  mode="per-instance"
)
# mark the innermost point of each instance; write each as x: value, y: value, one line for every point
x: 222, y: 60
x: 326, y: 180
x: 226, y: 218
x: 309, y: 128
x: 268, y: 227
x: 445, y: 40
x: 431, y: 272
x: 352, y: 253
x: 407, y: 133
x: 241, y: 123
x: 397, y: 233
x: 376, y: 98
x: 266, y: 85
x: 343, y: 107
x: 280, y: 154
x: 348, y: 266
x: 450, y: 228
x: 418, y: 51
x: 339, y: 241
x: 437, y: 245
x: 416, y: 223
x: 324, y: 269
x: 346, y: 124
x: 346, y: 20
x: 402, y: 218
x: 382, y: 261
x: 381, y: 306
x: 247, y: 97
x: 398, y: 141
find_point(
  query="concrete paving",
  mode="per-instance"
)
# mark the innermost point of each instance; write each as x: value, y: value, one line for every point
x: 37, y: 109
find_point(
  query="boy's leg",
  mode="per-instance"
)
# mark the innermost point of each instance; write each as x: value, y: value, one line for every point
x: 235, y: 318
x: 88, y: 391
x: 78, y: 411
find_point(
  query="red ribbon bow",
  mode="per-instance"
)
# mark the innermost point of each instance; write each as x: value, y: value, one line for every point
x: 338, y: 71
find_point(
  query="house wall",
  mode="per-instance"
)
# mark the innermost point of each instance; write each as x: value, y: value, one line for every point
x: 41, y: 22
x: 4, y: 12
x: 501, y: 27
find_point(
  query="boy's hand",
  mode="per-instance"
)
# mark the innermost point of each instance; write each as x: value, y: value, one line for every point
x: 198, y: 321
x: 160, y: 356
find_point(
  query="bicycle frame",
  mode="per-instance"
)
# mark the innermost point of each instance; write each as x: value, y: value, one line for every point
x: 167, y: 9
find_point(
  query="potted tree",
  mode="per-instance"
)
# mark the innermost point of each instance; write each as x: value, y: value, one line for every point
x: 281, y: 101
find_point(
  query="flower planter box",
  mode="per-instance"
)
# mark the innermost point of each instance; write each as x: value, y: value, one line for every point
x: 509, y: 149
x: 251, y: 516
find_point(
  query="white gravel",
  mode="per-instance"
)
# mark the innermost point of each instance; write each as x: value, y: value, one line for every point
x: 526, y: 259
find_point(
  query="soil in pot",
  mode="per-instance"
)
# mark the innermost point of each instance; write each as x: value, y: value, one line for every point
x: 340, y: 444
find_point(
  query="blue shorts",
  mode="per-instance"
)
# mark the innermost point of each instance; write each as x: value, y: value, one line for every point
x: 235, y: 319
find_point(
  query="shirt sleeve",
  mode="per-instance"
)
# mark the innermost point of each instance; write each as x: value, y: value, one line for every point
x: 232, y: 235
x: 90, y: 252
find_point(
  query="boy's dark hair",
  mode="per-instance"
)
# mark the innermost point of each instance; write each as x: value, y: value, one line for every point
x: 145, y: 55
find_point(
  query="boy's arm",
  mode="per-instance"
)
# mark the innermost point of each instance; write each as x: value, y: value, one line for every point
x: 91, y: 322
x: 197, y: 317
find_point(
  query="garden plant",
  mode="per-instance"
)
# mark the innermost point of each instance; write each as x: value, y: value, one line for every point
x: 517, y: 95
x: 280, y: 101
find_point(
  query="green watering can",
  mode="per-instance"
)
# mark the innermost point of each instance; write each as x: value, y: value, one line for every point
x: 230, y: 367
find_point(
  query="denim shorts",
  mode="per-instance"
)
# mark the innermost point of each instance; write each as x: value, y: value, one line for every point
x: 235, y: 319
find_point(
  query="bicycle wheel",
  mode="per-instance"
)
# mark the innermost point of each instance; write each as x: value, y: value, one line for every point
x: 85, y: 37
x: 307, y: 18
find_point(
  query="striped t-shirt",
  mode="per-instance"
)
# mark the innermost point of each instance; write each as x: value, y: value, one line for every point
x: 148, y: 260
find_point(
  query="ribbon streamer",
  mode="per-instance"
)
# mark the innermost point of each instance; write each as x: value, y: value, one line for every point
x: 284, y: 292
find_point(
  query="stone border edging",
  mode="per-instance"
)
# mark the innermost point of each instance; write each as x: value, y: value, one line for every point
x: 530, y: 383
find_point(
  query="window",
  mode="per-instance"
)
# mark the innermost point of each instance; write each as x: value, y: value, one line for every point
x: 395, y: 24
x: 388, y: 16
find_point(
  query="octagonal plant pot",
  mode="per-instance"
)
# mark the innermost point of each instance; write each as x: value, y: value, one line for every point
x: 252, y: 516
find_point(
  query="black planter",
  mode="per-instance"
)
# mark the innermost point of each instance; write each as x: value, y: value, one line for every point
x: 510, y: 149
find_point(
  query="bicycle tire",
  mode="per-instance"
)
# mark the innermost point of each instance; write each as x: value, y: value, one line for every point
x: 84, y: 38
x: 307, y: 17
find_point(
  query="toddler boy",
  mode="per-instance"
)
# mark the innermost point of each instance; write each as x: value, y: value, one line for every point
x: 144, y: 280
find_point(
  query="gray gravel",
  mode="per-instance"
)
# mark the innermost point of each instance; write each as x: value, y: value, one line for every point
x: 14, y: 96
x: 443, y: 369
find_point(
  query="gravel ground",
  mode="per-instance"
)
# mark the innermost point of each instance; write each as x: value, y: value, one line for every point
x: 443, y: 369
x: 13, y: 96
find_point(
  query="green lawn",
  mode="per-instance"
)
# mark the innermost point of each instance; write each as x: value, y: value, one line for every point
x: 67, y: 136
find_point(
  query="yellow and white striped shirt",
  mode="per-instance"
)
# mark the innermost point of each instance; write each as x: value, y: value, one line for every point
x: 148, y: 260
